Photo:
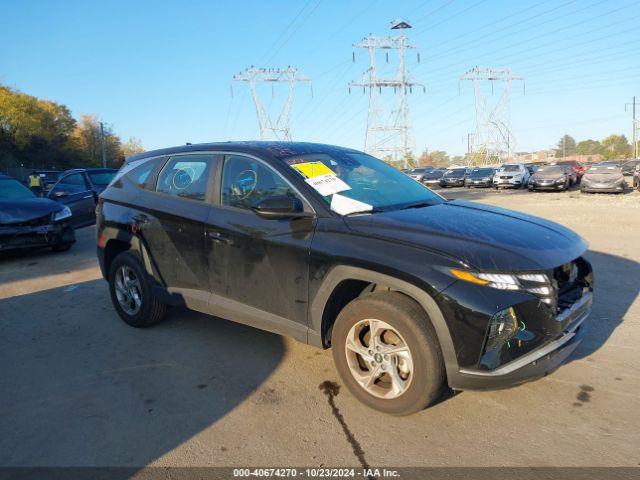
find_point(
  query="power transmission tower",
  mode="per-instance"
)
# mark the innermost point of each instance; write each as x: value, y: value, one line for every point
x: 280, y: 129
x: 493, y: 140
x: 388, y: 134
x: 634, y: 127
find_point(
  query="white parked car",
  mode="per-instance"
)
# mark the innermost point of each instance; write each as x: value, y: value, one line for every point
x: 511, y: 175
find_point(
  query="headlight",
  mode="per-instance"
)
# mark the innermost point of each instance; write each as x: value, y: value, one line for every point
x: 560, y: 180
x: 536, y: 283
x: 486, y: 179
x: 62, y: 214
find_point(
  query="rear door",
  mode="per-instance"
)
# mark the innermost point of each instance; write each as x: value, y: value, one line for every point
x: 171, y: 220
x: 74, y: 191
x: 258, y: 268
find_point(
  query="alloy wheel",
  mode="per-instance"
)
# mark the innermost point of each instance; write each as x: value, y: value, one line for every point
x: 128, y: 290
x: 379, y: 358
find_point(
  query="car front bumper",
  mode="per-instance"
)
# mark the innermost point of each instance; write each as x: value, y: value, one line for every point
x: 602, y: 188
x: 536, y: 363
x: 507, y: 182
x: 17, y: 237
x: 547, y: 186
x: 478, y: 183
x: 452, y: 183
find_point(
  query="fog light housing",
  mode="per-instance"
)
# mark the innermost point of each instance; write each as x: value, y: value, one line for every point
x: 502, y: 328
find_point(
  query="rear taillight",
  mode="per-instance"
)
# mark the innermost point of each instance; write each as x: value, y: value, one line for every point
x: 102, y: 240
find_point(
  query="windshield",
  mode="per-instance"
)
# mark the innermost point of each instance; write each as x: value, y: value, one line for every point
x: 481, y: 172
x: 604, y: 169
x: 11, y: 189
x: 101, y: 178
x: 455, y: 172
x: 355, y: 182
x: 510, y: 168
x: 553, y: 169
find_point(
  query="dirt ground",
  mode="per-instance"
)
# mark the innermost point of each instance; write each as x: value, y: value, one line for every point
x: 80, y: 388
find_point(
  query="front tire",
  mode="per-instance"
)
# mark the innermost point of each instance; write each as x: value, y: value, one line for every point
x: 132, y: 293
x: 387, y: 353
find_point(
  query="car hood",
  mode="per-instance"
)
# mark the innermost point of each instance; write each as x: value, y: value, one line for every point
x: 604, y: 177
x: 547, y: 176
x: 18, y: 211
x: 482, y: 236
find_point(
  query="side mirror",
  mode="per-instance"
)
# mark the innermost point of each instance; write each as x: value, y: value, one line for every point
x: 279, y: 206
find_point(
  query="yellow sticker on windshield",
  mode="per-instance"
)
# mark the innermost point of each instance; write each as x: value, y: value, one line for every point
x: 313, y: 169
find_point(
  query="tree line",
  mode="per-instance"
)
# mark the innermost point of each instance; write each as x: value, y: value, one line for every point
x: 41, y: 134
x: 612, y: 147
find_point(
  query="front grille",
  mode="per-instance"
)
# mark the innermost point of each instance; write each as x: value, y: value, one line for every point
x: 570, y: 281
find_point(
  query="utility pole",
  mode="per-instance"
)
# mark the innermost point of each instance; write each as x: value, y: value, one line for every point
x: 492, y: 139
x: 103, y: 146
x: 383, y: 130
x: 280, y: 129
x: 634, y: 127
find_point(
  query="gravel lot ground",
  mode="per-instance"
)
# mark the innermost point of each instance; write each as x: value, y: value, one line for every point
x: 78, y: 387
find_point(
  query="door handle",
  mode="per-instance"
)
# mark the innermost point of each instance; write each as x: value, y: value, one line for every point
x: 217, y: 236
x: 88, y: 196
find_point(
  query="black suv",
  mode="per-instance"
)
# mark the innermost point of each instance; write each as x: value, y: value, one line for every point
x: 338, y: 249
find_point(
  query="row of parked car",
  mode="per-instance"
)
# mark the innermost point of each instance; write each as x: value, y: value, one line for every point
x: 47, y: 216
x: 599, y: 177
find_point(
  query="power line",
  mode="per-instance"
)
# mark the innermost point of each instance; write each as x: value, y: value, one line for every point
x: 284, y: 42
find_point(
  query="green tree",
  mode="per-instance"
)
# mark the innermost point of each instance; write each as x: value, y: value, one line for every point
x: 33, y: 132
x: 616, y: 146
x: 566, y: 146
x: 86, y: 141
x: 589, y: 147
x: 438, y: 158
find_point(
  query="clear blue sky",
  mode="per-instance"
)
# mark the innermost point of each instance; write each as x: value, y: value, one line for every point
x: 161, y: 70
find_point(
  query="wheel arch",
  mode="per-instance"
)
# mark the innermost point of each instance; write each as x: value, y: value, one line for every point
x: 344, y: 281
x: 124, y: 242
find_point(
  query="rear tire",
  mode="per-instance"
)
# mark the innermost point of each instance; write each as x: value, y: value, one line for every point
x: 399, y: 383
x: 132, y: 293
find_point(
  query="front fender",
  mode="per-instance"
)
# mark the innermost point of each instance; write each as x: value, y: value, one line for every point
x: 340, y: 273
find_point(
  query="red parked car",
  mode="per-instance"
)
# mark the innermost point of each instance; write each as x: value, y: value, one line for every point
x: 575, y: 167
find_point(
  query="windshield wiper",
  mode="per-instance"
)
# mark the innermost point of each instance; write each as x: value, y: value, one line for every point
x: 416, y: 205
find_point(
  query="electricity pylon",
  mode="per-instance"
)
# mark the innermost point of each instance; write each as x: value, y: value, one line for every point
x: 493, y: 140
x: 388, y: 133
x: 280, y: 129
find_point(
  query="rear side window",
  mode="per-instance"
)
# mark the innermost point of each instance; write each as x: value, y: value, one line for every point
x: 141, y: 175
x: 246, y: 181
x: 186, y: 176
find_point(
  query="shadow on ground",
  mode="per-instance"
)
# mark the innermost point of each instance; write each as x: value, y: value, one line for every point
x: 18, y: 265
x: 79, y: 387
x: 616, y: 288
